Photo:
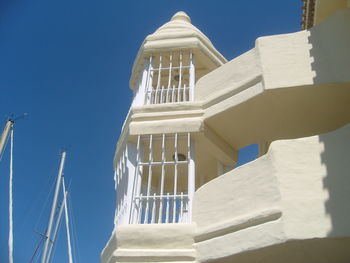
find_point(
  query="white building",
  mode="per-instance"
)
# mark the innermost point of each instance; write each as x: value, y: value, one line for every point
x: 178, y: 198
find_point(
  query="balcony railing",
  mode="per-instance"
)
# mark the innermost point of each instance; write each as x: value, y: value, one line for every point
x: 158, y: 209
x: 168, y: 95
x: 167, y: 77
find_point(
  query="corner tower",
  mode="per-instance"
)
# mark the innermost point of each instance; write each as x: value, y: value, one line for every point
x: 165, y: 151
x: 155, y: 162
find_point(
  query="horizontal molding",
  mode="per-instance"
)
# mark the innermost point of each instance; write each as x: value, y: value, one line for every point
x: 167, y: 115
x: 236, y: 224
x: 236, y: 88
x: 153, y: 255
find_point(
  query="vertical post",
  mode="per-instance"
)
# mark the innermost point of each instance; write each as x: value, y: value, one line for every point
x: 53, y: 208
x: 191, y: 175
x: 175, y: 178
x: 160, y: 218
x: 153, y: 209
x: 169, y: 79
x: 118, y: 195
x: 162, y: 95
x: 180, y: 75
x: 141, y: 92
x: 10, y: 240
x: 173, y: 94
x: 181, y: 207
x: 155, y: 101
x: 167, y: 213
x: 130, y: 155
x: 149, y: 183
x: 192, y: 77
x: 4, y: 135
x: 133, y: 216
x: 184, y: 93
x: 65, y: 194
x: 149, y: 82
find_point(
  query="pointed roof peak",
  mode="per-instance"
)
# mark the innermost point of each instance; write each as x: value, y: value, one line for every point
x: 181, y: 16
x: 177, y: 34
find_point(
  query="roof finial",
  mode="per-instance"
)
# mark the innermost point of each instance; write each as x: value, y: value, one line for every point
x: 181, y: 16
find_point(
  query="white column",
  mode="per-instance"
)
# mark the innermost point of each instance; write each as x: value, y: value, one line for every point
x: 149, y: 82
x: 135, y: 182
x: 141, y: 89
x: 191, y: 176
x: 131, y: 154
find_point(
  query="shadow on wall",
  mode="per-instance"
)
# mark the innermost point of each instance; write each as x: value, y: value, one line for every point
x: 330, y: 50
x: 336, y: 158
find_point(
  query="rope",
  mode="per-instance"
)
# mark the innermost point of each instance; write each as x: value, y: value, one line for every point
x: 36, y: 249
x: 10, y: 241
x: 37, y: 204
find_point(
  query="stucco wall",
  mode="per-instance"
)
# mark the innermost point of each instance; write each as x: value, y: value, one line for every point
x: 235, y: 72
x: 240, y: 192
x: 318, y: 55
x: 151, y: 243
x: 299, y: 190
x: 314, y: 181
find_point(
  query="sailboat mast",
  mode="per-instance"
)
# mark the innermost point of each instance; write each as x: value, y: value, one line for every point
x: 53, y: 208
x: 10, y: 240
x: 54, y: 235
x: 5, y: 135
x: 67, y: 221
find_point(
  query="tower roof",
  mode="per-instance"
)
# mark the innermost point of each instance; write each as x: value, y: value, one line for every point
x: 178, y: 34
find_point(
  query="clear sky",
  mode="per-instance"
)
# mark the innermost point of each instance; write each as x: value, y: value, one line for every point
x: 68, y: 63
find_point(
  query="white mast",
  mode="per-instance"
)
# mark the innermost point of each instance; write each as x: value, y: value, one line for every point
x: 58, y: 221
x: 5, y: 134
x: 67, y: 221
x: 3, y: 140
x: 10, y: 239
x: 53, y: 208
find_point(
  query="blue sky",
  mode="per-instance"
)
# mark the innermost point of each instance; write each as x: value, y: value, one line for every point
x: 68, y: 63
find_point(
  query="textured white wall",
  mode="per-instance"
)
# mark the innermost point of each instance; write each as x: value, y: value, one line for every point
x: 299, y: 190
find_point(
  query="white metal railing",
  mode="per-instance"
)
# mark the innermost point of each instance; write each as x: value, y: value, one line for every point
x: 163, y: 184
x: 168, y: 95
x: 166, y: 208
x: 170, y: 78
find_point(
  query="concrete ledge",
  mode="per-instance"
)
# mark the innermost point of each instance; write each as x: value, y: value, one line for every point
x: 237, y: 224
x: 154, y: 255
x: 156, y: 236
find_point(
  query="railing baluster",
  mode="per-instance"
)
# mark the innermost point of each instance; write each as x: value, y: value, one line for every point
x: 153, y: 209
x: 184, y: 93
x: 140, y: 208
x: 167, y: 208
x: 162, y: 180
x: 173, y: 94
x: 175, y: 176
x: 181, y: 208
x: 162, y: 95
x: 170, y: 71
x: 159, y: 77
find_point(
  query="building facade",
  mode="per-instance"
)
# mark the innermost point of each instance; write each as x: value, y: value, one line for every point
x: 179, y: 198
